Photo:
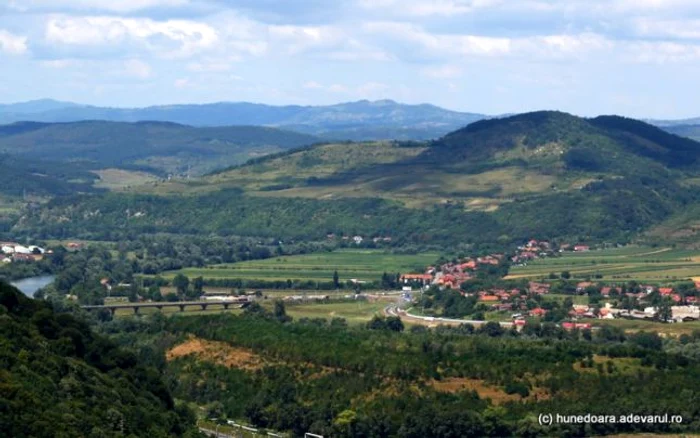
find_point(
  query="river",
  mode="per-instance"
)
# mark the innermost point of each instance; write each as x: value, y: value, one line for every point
x: 32, y: 284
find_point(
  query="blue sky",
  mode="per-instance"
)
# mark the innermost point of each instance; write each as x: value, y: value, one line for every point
x: 634, y: 57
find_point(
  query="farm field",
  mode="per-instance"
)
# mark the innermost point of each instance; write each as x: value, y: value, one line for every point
x: 363, y: 265
x: 656, y: 265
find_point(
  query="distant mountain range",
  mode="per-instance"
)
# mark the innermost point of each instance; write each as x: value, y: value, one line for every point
x: 362, y: 120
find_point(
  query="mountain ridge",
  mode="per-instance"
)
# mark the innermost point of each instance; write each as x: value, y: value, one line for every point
x: 358, y: 120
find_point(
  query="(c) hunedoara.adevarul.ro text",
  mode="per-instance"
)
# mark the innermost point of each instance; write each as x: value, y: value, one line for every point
x: 549, y: 419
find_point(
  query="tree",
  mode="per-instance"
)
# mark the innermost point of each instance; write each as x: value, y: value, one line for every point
x: 665, y: 312
x: 377, y: 323
x: 394, y: 323
x: 181, y: 283
x: 492, y: 328
x: 280, y: 312
x: 336, y: 280
x: 198, y: 285
x: 566, y: 275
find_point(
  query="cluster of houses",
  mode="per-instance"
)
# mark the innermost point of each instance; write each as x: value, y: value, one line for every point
x: 14, y: 252
x: 532, y: 250
x: 645, y: 291
x: 685, y: 308
x: 681, y: 313
x: 535, y: 249
x: 452, y: 274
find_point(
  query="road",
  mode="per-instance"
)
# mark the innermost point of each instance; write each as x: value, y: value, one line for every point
x: 395, y: 310
x: 213, y: 433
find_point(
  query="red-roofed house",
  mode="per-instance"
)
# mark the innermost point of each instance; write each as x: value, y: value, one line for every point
x: 583, y: 286
x: 665, y: 291
x: 538, y: 311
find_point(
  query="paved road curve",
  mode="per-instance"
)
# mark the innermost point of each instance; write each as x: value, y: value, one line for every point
x: 394, y: 310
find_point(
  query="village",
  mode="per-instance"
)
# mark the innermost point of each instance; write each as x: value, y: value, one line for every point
x: 529, y: 300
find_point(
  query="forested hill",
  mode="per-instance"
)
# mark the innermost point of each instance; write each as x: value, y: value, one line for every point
x: 22, y: 177
x: 546, y: 137
x: 60, y: 379
x: 157, y: 146
x: 497, y: 182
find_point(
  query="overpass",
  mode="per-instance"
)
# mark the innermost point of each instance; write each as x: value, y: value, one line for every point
x: 161, y: 305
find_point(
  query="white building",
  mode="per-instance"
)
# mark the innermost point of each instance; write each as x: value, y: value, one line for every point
x: 682, y: 312
x: 19, y: 249
x: 33, y: 248
x: 8, y: 249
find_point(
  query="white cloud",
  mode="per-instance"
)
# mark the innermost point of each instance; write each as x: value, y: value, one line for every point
x: 138, y: 69
x: 439, y: 43
x: 93, y: 5
x: 423, y: 8
x: 169, y: 38
x: 442, y: 72
x: 11, y: 43
x: 660, y: 52
x: 181, y: 83
x: 678, y: 29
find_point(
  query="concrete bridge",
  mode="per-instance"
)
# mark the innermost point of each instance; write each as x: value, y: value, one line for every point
x: 161, y: 305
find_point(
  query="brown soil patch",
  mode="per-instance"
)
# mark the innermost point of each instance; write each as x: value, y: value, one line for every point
x: 217, y: 352
x: 497, y: 395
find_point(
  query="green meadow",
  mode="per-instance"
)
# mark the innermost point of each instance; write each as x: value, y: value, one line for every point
x: 363, y: 265
x: 637, y: 263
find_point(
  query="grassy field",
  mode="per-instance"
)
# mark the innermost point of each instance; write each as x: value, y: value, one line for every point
x: 364, y: 265
x: 656, y: 265
x: 119, y: 179
x: 358, y: 312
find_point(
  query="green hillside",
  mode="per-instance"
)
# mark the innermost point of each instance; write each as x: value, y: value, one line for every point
x: 22, y: 177
x: 483, y: 166
x: 58, y: 378
x: 157, y: 146
x: 495, y: 182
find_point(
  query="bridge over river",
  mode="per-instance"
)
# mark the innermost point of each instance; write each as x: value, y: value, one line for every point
x: 161, y: 305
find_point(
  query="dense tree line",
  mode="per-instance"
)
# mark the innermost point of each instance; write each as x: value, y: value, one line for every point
x: 60, y: 379
x: 336, y: 380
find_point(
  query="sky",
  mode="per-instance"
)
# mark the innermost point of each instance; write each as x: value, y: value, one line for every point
x: 639, y: 58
